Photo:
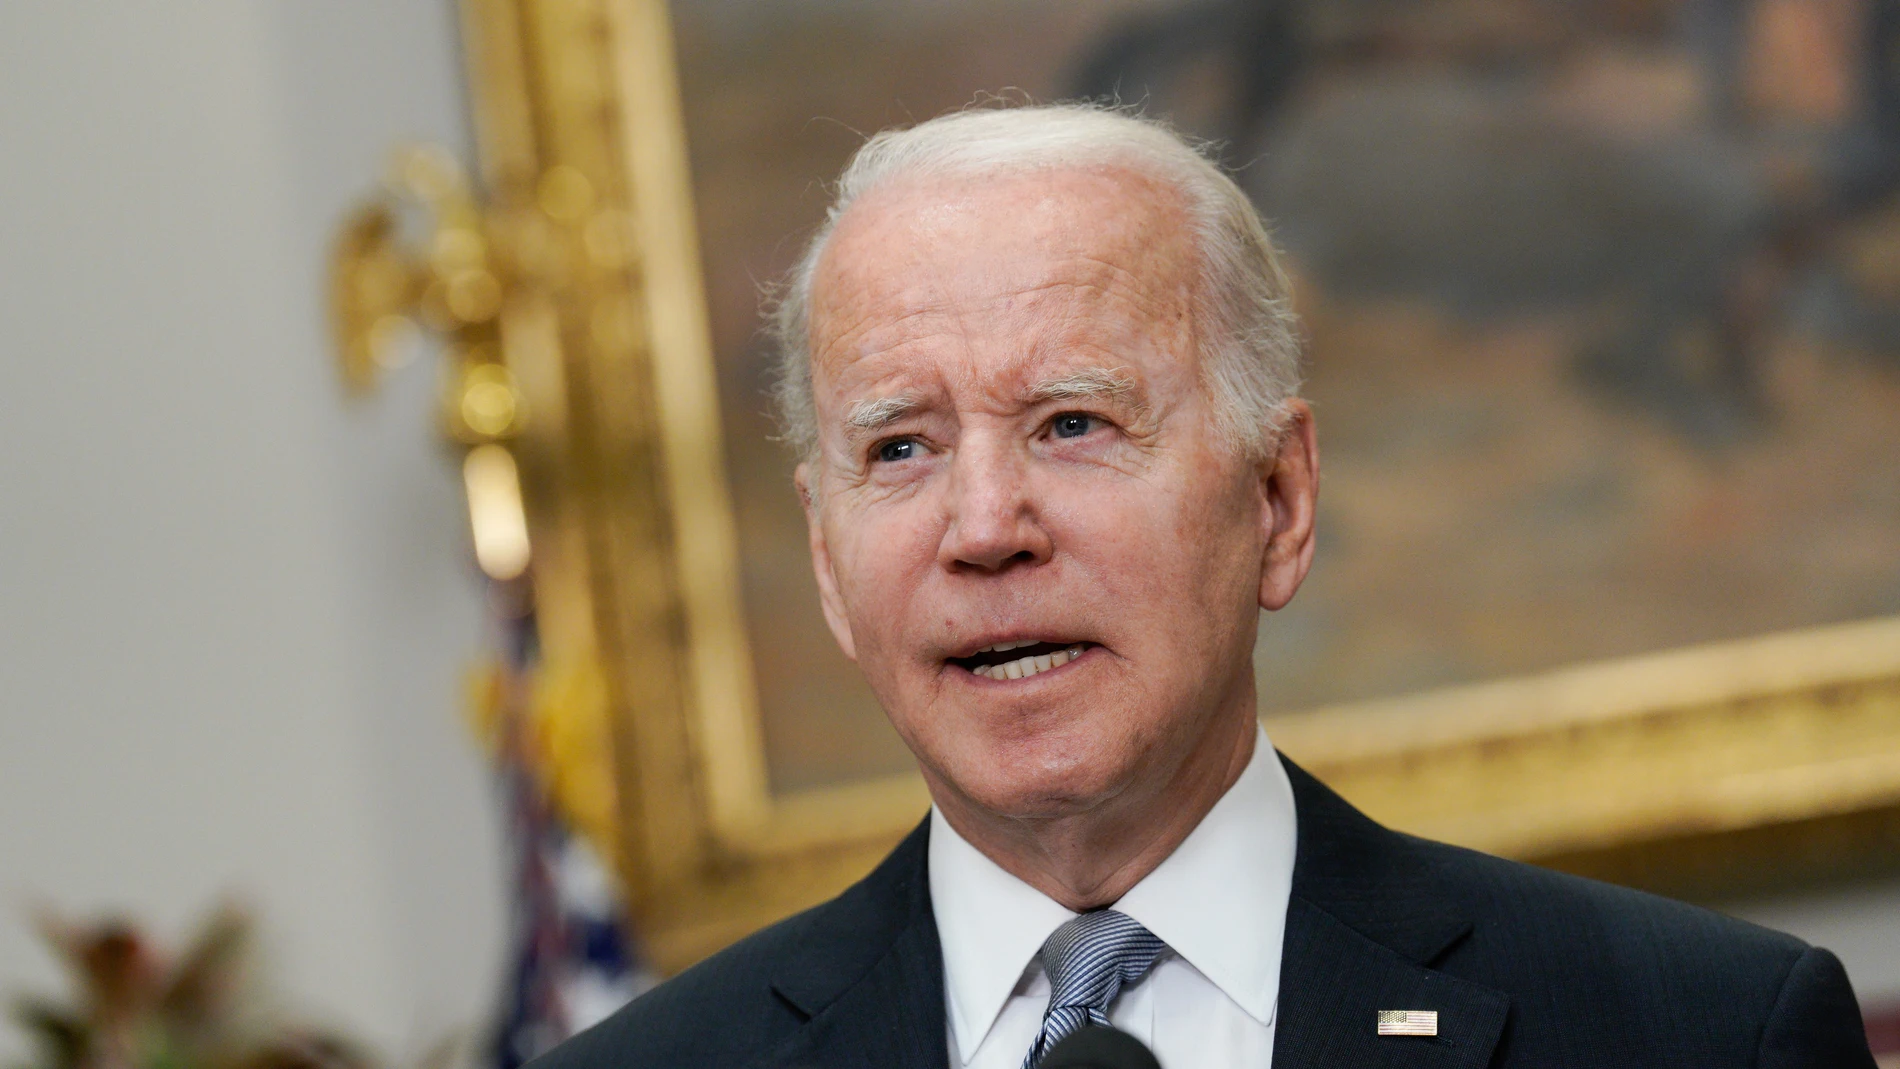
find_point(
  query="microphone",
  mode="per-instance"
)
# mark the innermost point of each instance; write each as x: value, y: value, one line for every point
x: 1096, y: 1047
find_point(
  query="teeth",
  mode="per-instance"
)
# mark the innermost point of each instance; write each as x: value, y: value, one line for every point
x: 1005, y: 647
x: 1024, y: 667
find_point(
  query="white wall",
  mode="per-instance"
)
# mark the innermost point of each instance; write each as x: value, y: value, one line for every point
x: 233, y: 608
x: 1859, y: 922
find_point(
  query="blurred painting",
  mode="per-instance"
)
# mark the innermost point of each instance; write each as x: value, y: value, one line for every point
x: 1602, y: 297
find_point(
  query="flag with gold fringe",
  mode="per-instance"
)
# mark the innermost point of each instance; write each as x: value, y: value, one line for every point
x: 571, y: 956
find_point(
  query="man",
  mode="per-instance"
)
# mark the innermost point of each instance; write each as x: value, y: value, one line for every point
x: 1042, y: 372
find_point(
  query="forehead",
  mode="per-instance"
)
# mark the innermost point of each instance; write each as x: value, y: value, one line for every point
x: 1093, y: 254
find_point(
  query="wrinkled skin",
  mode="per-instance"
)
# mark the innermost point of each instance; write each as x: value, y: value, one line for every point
x: 988, y: 510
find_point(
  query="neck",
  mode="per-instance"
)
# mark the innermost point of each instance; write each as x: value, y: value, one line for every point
x: 1092, y: 858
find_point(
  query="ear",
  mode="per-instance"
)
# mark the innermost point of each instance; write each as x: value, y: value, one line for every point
x: 1290, y: 485
x: 829, y: 599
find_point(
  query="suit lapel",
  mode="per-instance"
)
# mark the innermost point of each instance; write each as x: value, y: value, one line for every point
x: 891, y: 1019
x: 1365, y: 922
x: 1334, y: 982
x: 871, y: 984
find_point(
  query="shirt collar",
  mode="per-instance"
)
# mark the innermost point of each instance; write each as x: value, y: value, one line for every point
x: 990, y: 924
x: 1219, y: 901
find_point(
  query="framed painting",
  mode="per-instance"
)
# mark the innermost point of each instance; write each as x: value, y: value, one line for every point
x: 1604, y: 316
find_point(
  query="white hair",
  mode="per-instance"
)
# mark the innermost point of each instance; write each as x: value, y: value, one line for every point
x: 1251, y: 356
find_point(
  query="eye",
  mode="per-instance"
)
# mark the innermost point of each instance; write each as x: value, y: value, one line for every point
x: 897, y: 449
x: 1072, y: 424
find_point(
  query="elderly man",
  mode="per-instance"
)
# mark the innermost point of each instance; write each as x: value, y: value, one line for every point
x: 1042, y: 370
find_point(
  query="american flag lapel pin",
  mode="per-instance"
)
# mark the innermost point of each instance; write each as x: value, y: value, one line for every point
x: 1408, y: 1022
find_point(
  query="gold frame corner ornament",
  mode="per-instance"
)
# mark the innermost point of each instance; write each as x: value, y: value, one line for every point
x: 570, y: 291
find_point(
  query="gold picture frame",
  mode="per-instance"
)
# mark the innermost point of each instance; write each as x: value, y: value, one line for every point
x: 1702, y: 771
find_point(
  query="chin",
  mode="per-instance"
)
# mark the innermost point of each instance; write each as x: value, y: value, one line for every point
x: 1039, y: 779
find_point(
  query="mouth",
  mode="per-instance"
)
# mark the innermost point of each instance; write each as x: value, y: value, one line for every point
x: 1020, y: 660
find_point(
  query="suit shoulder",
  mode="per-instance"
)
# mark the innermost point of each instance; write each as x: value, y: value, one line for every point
x: 1383, y: 882
x: 726, y: 1010
x: 1570, y: 950
x: 721, y: 1011
x: 1678, y: 979
x: 1524, y: 898
x: 1594, y: 974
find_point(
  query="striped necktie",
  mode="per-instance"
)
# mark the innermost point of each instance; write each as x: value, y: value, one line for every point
x: 1089, y: 960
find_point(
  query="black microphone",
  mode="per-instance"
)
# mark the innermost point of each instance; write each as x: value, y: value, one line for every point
x: 1096, y: 1047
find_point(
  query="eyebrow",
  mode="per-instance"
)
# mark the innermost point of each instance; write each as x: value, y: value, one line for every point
x: 878, y: 412
x: 1088, y: 382
x: 869, y: 414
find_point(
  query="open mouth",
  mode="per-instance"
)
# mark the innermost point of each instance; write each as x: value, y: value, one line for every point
x: 1019, y: 660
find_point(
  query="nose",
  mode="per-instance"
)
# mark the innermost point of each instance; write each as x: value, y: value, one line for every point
x: 994, y: 524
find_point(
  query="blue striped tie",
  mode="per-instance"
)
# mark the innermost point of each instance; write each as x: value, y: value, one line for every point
x: 1089, y: 960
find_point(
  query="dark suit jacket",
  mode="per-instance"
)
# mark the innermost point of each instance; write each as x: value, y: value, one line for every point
x: 1525, y: 967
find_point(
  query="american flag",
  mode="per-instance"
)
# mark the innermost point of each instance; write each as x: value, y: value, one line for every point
x: 1408, y: 1022
x: 571, y: 959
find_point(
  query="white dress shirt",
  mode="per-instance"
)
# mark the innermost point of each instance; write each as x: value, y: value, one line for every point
x: 1219, y: 902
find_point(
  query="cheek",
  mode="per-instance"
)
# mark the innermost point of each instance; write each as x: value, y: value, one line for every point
x: 1121, y: 561
x: 1223, y: 568
x: 1182, y: 564
x: 880, y: 557
x: 1147, y: 534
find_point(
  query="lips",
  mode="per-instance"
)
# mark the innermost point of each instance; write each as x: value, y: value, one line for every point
x: 1020, y: 659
